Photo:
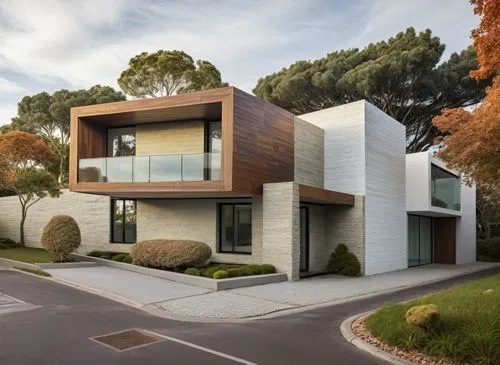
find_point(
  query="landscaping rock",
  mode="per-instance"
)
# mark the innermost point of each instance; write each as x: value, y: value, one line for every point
x: 425, y: 316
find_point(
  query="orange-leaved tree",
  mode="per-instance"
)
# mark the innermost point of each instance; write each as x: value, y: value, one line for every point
x: 23, y: 158
x: 473, y: 145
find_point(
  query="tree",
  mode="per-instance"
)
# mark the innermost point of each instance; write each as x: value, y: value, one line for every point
x: 23, y: 158
x: 401, y: 76
x: 487, y: 209
x: 48, y: 116
x: 165, y: 73
x: 473, y: 143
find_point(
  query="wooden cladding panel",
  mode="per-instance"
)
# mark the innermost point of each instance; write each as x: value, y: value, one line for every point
x: 263, y: 144
x: 170, y: 138
x: 445, y: 240
x: 91, y: 140
x: 311, y: 194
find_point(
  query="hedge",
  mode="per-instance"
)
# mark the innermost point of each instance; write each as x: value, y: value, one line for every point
x: 170, y: 254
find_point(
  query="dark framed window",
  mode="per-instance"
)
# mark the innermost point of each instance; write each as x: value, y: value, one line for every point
x: 235, y: 228
x: 123, y: 221
x: 121, y: 142
x: 445, y: 189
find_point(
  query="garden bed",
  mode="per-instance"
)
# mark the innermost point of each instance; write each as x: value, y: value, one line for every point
x: 469, y: 331
x: 250, y: 275
x: 31, y: 258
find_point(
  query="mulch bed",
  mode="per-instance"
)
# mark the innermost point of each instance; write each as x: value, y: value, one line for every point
x: 359, y: 328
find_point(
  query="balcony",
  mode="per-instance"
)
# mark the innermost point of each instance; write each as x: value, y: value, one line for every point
x: 151, y: 168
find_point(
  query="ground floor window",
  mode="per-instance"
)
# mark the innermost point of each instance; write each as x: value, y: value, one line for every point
x: 123, y: 221
x: 235, y: 228
x: 420, y: 240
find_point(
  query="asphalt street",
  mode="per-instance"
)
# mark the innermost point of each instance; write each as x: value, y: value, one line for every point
x: 57, y: 330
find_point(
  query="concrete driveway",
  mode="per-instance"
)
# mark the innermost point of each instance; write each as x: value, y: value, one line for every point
x: 181, y: 301
x: 133, y: 287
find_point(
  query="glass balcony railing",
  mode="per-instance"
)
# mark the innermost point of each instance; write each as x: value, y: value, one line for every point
x: 154, y: 168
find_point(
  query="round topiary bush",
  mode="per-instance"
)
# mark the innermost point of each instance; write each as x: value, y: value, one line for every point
x: 61, y: 236
x: 341, y: 249
x: 221, y: 274
x: 343, y: 262
x: 424, y: 316
x: 170, y: 254
x: 192, y: 271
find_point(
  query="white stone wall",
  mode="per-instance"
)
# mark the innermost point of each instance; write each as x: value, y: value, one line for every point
x: 344, y: 224
x: 466, y: 226
x: 281, y: 229
x: 309, y: 154
x: 344, y: 135
x: 386, y: 246
x: 194, y: 219
x: 91, y: 212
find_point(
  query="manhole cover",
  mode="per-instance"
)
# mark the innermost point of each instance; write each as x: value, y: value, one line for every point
x: 127, y: 340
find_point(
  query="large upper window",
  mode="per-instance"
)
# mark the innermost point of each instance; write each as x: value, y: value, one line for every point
x: 235, y: 227
x: 121, y: 142
x: 123, y: 221
x: 215, y: 149
x: 445, y: 189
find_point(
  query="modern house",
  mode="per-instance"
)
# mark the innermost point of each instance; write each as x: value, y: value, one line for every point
x: 260, y: 185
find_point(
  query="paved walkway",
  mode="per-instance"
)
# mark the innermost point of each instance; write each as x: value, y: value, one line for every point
x: 180, y: 300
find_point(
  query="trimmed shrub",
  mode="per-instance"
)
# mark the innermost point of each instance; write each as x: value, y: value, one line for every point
x: 192, y: 271
x: 61, y: 236
x: 127, y: 259
x: 489, y: 248
x: 7, y: 243
x: 267, y: 269
x: 234, y: 272
x: 424, y: 316
x: 221, y: 274
x: 119, y: 257
x: 170, y: 254
x: 343, y: 262
x: 341, y: 249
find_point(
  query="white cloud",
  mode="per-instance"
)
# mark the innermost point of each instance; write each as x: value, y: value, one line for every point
x: 7, y: 86
x: 7, y: 111
x: 87, y: 42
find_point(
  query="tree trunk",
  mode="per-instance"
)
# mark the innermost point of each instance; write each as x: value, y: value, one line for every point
x: 21, y: 226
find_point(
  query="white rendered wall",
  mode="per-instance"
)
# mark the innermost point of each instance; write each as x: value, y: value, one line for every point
x: 365, y: 155
x: 466, y: 226
x: 386, y: 247
x: 344, y: 146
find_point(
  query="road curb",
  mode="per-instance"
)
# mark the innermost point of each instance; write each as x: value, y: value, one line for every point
x: 351, y: 337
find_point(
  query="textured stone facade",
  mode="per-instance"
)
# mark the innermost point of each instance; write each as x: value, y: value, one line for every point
x: 91, y: 212
x: 194, y: 219
x: 309, y: 153
x: 346, y: 225
x: 281, y: 229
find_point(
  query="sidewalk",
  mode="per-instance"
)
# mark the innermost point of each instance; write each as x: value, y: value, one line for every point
x: 166, y: 298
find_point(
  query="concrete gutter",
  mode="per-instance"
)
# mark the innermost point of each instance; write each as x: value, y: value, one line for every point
x: 350, y: 336
x: 202, y: 282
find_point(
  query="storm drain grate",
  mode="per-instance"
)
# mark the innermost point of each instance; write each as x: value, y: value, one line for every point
x: 127, y: 340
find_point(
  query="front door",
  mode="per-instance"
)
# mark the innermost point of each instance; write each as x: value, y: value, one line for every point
x: 304, y: 238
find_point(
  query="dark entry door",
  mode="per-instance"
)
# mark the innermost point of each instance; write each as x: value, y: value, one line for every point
x: 304, y: 238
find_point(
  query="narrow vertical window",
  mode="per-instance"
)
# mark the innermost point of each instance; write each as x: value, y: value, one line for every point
x: 123, y: 221
x: 235, y: 228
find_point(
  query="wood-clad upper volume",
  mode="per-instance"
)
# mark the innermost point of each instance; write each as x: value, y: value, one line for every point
x: 256, y: 141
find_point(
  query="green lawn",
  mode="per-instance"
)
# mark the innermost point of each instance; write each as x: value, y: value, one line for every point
x: 470, y: 315
x: 26, y: 254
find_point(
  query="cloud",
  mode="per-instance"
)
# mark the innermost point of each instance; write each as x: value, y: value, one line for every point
x: 51, y: 44
x: 7, y: 86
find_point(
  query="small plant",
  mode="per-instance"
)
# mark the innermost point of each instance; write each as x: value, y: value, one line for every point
x: 8, y: 243
x: 221, y: 274
x: 119, y: 257
x: 194, y: 271
x: 127, y: 259
x: 61, y: 236
x: 343, y: 262
x: 425, y: 316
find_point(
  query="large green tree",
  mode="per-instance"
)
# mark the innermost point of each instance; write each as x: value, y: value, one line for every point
x: 402, y: 76
x: 165, y: 73
x: 48, y: 116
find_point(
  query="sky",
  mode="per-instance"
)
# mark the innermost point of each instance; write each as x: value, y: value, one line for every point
x: 46, y: 45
